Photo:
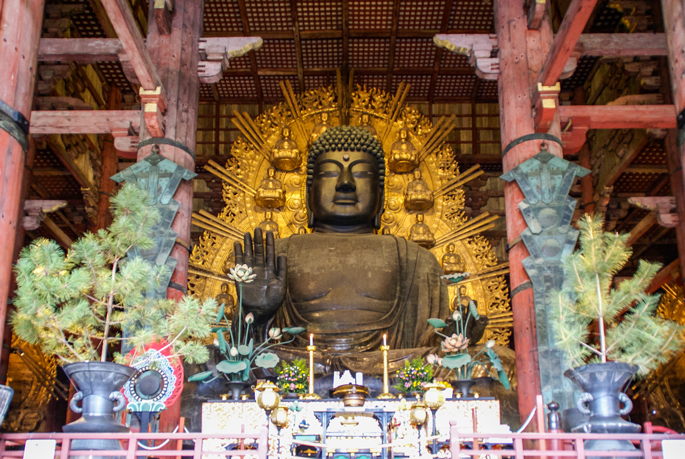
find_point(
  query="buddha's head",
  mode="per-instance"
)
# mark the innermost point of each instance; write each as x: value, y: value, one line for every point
x: 419, y: 218
x: 462, y: 290
x: 268, y: 215
x: 417, y: 174
x: 224, y: 287
x: 286, y: 132
x: 365, y: 118
x: 324, y: 118
x: 450, y: 248
x: 403, y: 134
x: 345, y: 179
x: 271, y: 171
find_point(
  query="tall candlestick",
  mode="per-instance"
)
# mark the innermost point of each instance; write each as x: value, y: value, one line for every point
x: 386, y: 388
x: 311, y: 395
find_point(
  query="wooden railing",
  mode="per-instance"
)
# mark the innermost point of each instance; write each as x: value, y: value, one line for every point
x: 552, y: 445
x: 12, y: 445
x: 525, y: 445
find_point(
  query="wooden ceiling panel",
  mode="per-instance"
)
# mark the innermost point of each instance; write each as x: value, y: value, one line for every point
x: 420, y: 84
x: 206, y: 91
x: 487, y: 90
x: 277, y: 54
x: 45, y: 159
x: 472, y: 15
x: 369, y: 52
x: 632, y: 182
x: 421, y: 14
x: 114, y: 74
x: 654, y: 153
x: 242, y: 62
x: 87, y: 23
x: 457, y: 86
x: 581, y: 74
x: 415, y: 52
x: 222, y: 16
x: 239, y: 87
x: 370, y: 80
x: 271, y: 15
x: 317, y: 81
x: 370, y: 14
x: 325, y: 53
x: 60, y: 186
x: 319, y: 14
x: 452, y: 60
x: 271, y: 85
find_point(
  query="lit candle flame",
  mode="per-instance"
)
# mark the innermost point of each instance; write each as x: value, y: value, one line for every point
x: 385, y: 340
x: 311, y: 339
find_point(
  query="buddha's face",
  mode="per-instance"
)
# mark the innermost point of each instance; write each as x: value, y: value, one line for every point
x: 403, y: 134
x: 345, y: 189
x: 224, y: 288
x: 286, y: 133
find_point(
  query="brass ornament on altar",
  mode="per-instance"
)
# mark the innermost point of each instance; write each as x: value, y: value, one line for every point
x: 427, y: 181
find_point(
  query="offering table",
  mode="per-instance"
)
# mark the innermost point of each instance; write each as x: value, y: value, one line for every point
x: 346, y: 432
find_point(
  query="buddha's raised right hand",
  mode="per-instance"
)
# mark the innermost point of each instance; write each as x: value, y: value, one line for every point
x: 263, y: 296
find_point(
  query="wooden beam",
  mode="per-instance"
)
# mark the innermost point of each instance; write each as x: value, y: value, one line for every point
x: 393, y: 41
x: 81, y: 50
x: 571, y: 28
x: 641, y: 228
x: 298, y: 44
x: 119, y: 12
x: 84, y: 122
x: 622, y: 44
x: 60, y: 236
x: 621, y: 116
x: 667, y: 274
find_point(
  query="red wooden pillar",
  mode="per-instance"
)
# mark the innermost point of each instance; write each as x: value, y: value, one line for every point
x: 675, y: 145
x: 518, y: 46
x: 110, y: 159
x: 20, y: 29
x: 176, y: 58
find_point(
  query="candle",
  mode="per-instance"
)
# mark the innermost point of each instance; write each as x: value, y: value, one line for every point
x: 385, y: 340
x: 311, y: 339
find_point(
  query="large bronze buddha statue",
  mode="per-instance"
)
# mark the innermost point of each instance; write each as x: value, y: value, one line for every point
x: 343, y: 282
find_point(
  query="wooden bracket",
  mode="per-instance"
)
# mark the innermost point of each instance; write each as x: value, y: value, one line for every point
x: 215, y: 53
x: 477, y: 47
x: 163, y: 12
x: 154, y: 105
x: 545, y: 103
x: 661, y: 206
x: 574, y: 134
x: 127, y: 147
x: 536, y: 11
x: 35, y: 211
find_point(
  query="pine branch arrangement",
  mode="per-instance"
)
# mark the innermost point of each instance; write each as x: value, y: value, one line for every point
x: 75, y: 306
x: 629, y: 330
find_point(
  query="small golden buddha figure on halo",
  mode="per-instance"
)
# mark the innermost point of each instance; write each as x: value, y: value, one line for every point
x: 463, y: 296
x: 270, y: 192
x: 227, y: 300
x: 403, y: 154
x: 269, y: 225
x: 452, y: 261
x: 285, y: 155
x: 421, y: 233
x: 418, y: 195
x: 366, y: 124
x: 320, y: 128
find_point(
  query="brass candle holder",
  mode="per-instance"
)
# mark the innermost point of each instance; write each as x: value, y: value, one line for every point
x: 311, y: 395
x: 386, y: 395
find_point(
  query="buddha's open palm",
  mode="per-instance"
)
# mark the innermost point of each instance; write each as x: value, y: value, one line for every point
x: 266, y: 292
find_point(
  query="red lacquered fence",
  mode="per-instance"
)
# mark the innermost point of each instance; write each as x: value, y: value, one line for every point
x: 11, y: 444
x: 462, y: 445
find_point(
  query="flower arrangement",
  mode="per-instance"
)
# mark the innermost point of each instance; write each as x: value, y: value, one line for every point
x: 293, y: 377
x: 242, y: 355
x: 413, y: 376
x: 75, y: 306
x: 629, y: 330
x: 455, y: 347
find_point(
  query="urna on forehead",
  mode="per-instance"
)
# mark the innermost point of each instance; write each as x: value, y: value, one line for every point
x: 346, y: 138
